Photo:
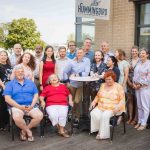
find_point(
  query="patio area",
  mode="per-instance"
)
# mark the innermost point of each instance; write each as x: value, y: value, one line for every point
x: 132, y: 140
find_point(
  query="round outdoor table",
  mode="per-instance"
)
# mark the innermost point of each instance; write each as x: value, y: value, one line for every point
x: 84, y: 79
x: 84, y: 121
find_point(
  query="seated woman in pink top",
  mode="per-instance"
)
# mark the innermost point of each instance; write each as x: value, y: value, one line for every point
x: 56, y: 95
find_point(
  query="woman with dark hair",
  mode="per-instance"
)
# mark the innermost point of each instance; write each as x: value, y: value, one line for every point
x: 47, y: 66
x: 27, y: 60
x: 123, y: 66
x: 97, y: 69
x: 112, y: 65
x: 5, y: 72
x: 132, y: 102
x: 110, y: 100
x: 141, y: 84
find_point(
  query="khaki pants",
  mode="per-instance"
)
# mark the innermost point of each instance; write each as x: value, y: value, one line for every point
x: 77, y: 98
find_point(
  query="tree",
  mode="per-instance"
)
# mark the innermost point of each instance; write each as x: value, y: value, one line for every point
x: 3, y: 32
x: 1, y: 37
x: 23, y: 31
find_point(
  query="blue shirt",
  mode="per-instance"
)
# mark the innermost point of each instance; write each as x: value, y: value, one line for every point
x: 22, y: 94
x: 70, y: 55
x: 90, y: 55
x: 77, y: 67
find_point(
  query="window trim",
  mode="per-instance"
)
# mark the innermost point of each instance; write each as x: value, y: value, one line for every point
x: 138, y: 26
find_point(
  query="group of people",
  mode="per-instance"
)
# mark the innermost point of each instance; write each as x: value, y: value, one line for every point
x: 27, y: 79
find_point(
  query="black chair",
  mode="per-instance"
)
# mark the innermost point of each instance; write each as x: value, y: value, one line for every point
x: 113, y: 122
x: 12, y: 124
x: 43, y: 122
x: 148, y: 122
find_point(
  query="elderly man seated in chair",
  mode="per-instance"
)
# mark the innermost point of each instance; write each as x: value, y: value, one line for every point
x: 22, y: 95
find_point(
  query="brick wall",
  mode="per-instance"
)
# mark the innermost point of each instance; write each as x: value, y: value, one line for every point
x: 119, y: 30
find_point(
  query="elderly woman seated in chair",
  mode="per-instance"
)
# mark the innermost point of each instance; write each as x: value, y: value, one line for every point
x: 110, y: 101
x: 56, y: 95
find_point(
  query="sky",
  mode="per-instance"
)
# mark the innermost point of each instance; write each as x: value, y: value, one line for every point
x: 54, y: 18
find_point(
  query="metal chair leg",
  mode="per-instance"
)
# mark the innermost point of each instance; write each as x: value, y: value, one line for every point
x: 124, y: 123
x: 112, y: 133
x: 72, y: 117
x: 12, y: 127
x: 42, y: 128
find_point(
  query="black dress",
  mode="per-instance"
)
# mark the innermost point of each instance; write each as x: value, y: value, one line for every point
x: 5, y: 72
x: 116, y: 71
x: 95, y: 85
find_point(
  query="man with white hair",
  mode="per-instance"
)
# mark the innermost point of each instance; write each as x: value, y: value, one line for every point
x: 22, y: 95
x: 17, y: 50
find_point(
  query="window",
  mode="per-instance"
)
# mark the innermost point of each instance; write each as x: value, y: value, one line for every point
x: 85, y: 27
x: 143, y: 25
x: 144, y: 39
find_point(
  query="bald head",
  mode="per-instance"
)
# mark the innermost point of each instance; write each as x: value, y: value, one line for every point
x: 105, y: 46
x: 17, y: 49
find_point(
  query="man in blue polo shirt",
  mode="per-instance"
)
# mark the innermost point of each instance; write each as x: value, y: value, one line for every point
x: 80, y: 66
x: 22, y: 95
x: 89, y: 53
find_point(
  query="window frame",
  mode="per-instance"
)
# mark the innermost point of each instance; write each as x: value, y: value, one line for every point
x: 138, y: 26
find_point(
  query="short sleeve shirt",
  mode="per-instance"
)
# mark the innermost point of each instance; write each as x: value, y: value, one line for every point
x: 21, y: 93
x: 55, y: 95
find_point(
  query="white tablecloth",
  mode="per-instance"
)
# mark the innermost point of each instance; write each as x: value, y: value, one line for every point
x: 84, y: 79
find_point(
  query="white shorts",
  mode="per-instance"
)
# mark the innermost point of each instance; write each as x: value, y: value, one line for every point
x: 57, y: 114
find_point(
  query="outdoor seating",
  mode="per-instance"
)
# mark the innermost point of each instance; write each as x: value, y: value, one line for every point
x: 12, y: 124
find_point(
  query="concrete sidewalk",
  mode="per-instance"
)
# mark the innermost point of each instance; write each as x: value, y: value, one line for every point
x: 133, y: 140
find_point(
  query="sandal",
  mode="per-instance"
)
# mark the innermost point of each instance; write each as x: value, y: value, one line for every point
x: 2, y: 129
x: 133, y: 122
x: 129, y: 121
x: 142, y: 127
x: 98, y: 137
x: 30, y: 138
x: 64, y: 135
x: 23, y: 136
x: 65, y: 131
x: 137, y: 126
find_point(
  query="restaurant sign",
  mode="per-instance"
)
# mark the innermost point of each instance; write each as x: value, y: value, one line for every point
x: 97, y: 9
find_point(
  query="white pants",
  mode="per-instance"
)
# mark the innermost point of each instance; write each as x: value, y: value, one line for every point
x: 100, y: 122
x: 57, y: 114
x: 143, y: 104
